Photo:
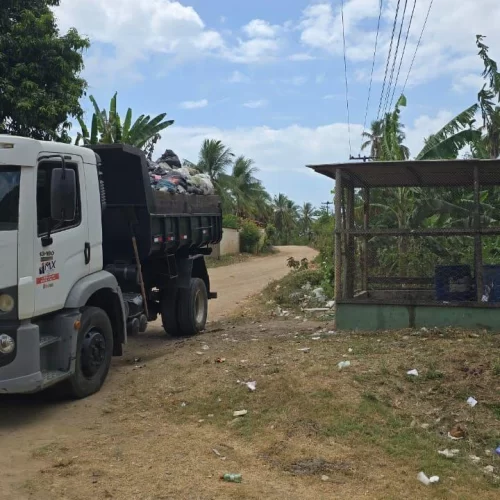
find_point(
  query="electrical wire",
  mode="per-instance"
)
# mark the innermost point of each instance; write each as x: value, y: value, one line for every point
x: 403, y: 53
x: 388, y: 59
x: 418, y: 45
x: 346, y: 82
x: 371, y: 75
x: 386, y: 105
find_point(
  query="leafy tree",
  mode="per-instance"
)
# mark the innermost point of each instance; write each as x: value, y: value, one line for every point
x: 40, y: 86
x: 107, y: 128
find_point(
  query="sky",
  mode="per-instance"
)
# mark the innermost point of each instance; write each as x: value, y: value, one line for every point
x: 267, y: 77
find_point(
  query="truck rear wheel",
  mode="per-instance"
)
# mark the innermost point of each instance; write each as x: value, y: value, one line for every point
x: 93, y: 353
x: 192, y: 307
x: 168, y: 307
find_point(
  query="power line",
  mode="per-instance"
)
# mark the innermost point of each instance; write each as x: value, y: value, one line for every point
x: 418, y: 45
x: 395, y: 58
x: 388, y: 59
x: 403, y: 53
x: 371, y: 75
x: 346, y: 83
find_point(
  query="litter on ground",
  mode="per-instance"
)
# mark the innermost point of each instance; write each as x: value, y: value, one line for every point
x: 471, y: 402
x: 343, y: 364
x: 422, y: 477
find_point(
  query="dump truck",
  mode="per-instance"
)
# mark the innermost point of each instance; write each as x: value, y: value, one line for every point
x: 89, y: 254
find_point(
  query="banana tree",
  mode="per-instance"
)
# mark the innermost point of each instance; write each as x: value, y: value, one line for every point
x: 454, y: 136
x: 107, y: 128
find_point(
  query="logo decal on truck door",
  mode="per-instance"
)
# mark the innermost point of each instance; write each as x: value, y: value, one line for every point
x: 47, y: 276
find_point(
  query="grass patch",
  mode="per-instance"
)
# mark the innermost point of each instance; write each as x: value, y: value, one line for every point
x: 227, y: 260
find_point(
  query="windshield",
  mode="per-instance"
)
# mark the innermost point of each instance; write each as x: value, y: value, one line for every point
x: 9, y: 197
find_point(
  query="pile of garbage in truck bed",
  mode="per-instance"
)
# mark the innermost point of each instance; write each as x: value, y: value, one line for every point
x: 169, y: 176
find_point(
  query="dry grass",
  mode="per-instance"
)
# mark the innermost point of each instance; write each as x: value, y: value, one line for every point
x: 370, y: 428
x: 227, y: 260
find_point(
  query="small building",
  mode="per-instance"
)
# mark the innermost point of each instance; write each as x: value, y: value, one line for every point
x: 417, y: 244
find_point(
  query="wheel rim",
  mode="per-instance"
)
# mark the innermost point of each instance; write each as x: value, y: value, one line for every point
x: 93, y: 354
x: 199, y: 307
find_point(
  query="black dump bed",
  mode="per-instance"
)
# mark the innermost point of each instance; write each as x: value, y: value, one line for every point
x: 162, y: 223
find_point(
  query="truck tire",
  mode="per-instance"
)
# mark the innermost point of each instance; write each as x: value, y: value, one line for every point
x: 93, y: 353
x: 168, y: 310
x: 192, y: 307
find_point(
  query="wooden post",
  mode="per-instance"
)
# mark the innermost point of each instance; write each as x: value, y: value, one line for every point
x: 338, y: 235
x: 478, y: 245
x: 366, y: 226
x: 351, y: 249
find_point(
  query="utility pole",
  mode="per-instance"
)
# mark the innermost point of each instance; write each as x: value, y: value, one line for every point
x: 364, y: 158
x: 327, y: 203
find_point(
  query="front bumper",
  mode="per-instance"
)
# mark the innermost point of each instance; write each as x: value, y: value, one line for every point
x: 23, y: 374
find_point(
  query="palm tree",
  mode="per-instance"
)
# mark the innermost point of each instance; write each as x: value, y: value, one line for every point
x: 249, y: 196
x: 214, y: 159
x: 306, y: 219
x: 106, y: 128
x: 285, y: 217
x: 374, y: 138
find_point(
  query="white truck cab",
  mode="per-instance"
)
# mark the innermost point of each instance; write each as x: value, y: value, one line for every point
x: 50, y: 253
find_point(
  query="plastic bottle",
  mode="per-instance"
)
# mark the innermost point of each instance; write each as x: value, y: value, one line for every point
x: 232, y: 478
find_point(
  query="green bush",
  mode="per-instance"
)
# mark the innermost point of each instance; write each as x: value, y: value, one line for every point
x: 249, y: 237
x: 231, y: 221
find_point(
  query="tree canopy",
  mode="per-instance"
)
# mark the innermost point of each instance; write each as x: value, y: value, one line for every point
x: 39, y: 71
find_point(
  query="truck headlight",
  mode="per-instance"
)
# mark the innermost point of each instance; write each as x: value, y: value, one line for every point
x: 6, y: 303
x: 7, y: 344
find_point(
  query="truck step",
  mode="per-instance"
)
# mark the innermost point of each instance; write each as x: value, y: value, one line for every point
x: 47, y: 340
x: 52, y: 377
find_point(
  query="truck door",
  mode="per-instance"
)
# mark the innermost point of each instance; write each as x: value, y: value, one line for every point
x: 60, y: 249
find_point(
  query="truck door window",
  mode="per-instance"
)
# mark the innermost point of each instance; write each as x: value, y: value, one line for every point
x: 43, y: 194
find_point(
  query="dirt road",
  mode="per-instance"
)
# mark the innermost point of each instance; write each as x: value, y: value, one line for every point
x: 32, y: 430
x: 238, y: 282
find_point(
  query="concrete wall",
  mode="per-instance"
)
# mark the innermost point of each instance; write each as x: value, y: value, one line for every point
x: 229, y: 245
x: 372, y: 317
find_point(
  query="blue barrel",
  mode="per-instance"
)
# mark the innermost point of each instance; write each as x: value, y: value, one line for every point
x: 491, y: 278
x: 454, y: 283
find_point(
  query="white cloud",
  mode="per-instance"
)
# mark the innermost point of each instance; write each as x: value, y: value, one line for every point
x: 297, y: 80
x: 468, y: 82
x: 273, y: 149
x: 301, y: 56
x: 202, y: 103
x: 255, y: 104
x: 258, y: 28
x: 238, y: 77
x: 441, y: 51
x: 137, y: 29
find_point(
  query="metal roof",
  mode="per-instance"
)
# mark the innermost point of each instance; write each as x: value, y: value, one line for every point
x: 414, y: 173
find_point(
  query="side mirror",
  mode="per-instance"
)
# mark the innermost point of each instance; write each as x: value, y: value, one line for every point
x: 63, y: 195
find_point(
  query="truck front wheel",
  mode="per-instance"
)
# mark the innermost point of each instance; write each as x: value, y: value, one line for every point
x: 93, y: 353
x: 192, y: 307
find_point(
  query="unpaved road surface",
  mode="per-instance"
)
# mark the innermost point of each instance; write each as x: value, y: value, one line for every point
x: 236, y: 283
x: 34, y: 431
